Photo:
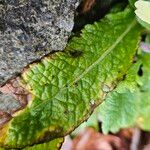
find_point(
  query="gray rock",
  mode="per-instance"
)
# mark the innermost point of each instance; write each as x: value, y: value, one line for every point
x: 8, y: 103
x: 31, y: 29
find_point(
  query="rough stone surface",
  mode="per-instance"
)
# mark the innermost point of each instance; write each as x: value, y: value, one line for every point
x: 8, y: 103
x: 30, y: 29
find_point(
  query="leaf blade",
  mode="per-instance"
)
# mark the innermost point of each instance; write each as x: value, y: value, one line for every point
x: 67, y: 86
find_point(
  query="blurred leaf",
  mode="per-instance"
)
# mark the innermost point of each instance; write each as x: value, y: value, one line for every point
x: 119, y: 108
x: 125, y: 108
x: 144, y: 108
x: 143, y: 13
x: 147, y: 38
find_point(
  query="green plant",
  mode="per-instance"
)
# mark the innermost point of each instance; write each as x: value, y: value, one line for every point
x: 67, y: 86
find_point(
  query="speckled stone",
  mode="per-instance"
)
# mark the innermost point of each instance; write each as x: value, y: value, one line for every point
x: 30, y: 29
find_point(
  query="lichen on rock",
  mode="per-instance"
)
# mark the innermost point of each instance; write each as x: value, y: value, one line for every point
x: 31, y: 29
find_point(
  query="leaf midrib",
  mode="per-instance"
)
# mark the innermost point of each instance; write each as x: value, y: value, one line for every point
x: 119, y: 39
x: 106, y: 52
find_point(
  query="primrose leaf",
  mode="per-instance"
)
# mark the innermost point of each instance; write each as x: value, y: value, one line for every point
x: 66, y: 86
x: 52, y: 145
x: 119, y: 108
x: 126, y: 107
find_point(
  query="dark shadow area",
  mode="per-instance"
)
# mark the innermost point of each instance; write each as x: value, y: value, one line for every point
x: 90, y: 11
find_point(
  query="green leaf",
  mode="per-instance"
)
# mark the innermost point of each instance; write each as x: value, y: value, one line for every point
x: 143, y: 112
x: 128, y: 104
x: 52, y: 145
x: 119, y: 108
x: 118, y: 111
x: 144, y: 99
x: 67, y: 86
